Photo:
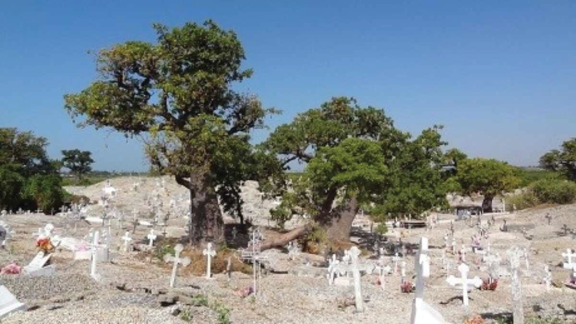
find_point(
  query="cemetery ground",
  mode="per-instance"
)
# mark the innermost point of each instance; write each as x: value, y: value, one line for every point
x: 134, y: 285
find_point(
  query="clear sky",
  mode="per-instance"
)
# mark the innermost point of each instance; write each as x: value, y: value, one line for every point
x: 499, y: 75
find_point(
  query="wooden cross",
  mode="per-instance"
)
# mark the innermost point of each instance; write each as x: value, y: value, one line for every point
x: 549, y: 218
x: 210, y: 253
x: 177, y: 260
x: 464, y: 281
x: 565, y: 228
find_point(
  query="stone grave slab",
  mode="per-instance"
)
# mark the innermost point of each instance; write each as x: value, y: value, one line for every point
x: 8, y: 303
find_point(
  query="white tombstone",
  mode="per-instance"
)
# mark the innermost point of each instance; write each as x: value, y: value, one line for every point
x: 569, y: 255
x: 127, y: 239
x: 209, y: 253
x: 464, y: 281
x: 8, y: 303
x: 422, y: 313
x: 177, y: 260
x: 38, y: 262
x: 151, y: 237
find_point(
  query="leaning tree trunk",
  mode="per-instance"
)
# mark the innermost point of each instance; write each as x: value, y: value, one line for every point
x: 487, y: 203
x: 206, y: 222
x: 338, y: 221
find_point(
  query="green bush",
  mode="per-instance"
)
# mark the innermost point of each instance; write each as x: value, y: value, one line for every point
x: 554, y: 191
x: 44, y: 192
x: 522, y: 201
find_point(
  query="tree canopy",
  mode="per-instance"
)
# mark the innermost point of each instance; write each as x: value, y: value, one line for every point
x: 563, y: 160
x: 355, y: 156
x: 78, y: 162
x: 178, y: 94
x: 28, y: 178
x: 488, y: 177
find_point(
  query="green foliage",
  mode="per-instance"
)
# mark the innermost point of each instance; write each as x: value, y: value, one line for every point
x: 200, y: 300
x: 78, y: 162
x: 11, y: 184
x: 179, y: 91
x: 522, y: 201
x: 28, y: 179
x: 487, y: 177
x: 544, y: 320
x: 530, y: 176
x: 563, y: 160
x: 162, y: 249
x: 554, y: 191
x: 222, y: 313
x: 355, y: 156
x: 24, y: 153
x: 381, y: 229
x: 186, y: 315
x: 44, y: 191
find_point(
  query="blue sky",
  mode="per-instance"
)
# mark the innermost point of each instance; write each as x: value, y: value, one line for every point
x: 499, y: 75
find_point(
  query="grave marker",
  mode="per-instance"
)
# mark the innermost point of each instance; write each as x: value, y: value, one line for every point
x: 464, y: 281
x: 8, y: 303
x: 151, y: 237
x: 177, y: 260
x: 210, y: 253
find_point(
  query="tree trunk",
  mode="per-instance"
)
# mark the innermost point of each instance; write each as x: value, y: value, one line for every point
x: 338, y: 222
x: 487, y: 203
x: 284, y: 239
x: 206, y: 222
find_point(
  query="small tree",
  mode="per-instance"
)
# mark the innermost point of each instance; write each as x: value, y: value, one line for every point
x: 78, y: 162
x: 487, y: 177
x: 563, y: 160
x: 177, y: 94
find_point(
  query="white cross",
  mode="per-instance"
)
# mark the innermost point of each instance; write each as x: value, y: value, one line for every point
x: 382, y: 271
x: 422, y: 266
x: 209, y: 252
x: 126, y: 238
x: 463, y: 253
x: 151, y: 237
x: 396, y: 258
x: 256, y: 259
x: 234, y: 233
x: 332, y: 266
x: 354, y: 254
x: 403, y: 271
x: 569, y: 255
x: 95, y: 246
x: 176, y: 259
x: 464, y: 281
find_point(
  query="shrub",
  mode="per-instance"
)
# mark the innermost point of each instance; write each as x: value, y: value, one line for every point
x: 522, y: 201
x: 44, y: 192
x: 554, y: 191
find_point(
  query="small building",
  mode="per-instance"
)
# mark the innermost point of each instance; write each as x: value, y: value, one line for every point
x: 467, y: 209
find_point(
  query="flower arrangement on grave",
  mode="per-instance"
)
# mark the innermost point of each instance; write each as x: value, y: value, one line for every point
x: 45, y: 245
x: 246, y: 292
x: 12, y: 268
x: 407, y: 287
x: 489, y: 284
